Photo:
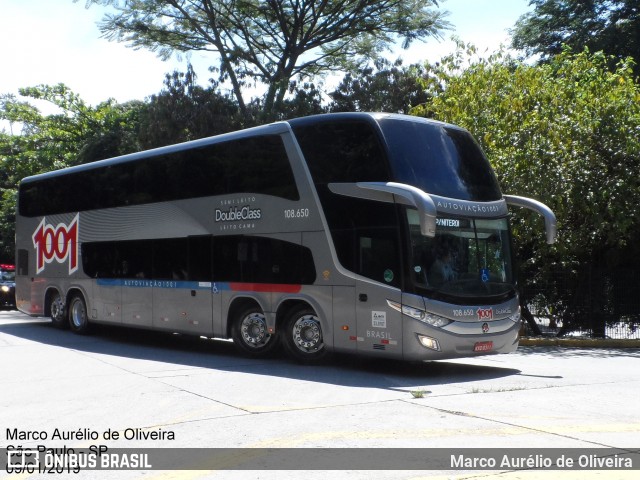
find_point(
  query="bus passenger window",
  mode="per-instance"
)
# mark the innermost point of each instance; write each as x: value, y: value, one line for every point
x: 378, y: 257
x: 170, y: 259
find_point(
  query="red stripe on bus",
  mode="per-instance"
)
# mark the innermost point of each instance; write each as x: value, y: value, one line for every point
x: 266, y: 287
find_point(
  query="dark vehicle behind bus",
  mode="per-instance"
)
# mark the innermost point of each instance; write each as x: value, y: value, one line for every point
x: 7, y: 286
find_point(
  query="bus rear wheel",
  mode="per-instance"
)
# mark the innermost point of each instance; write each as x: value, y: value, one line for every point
x: 250, y: 333
x: 78, y: 319
x: 56, y: 311
x: 303, y: 338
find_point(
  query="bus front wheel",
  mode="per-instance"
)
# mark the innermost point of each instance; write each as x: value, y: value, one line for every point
x: 78, y: 319
x: 303, y: 338
x: 250, y: 333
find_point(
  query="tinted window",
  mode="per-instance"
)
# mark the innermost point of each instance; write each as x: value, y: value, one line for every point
x: 439, y: 159
x: 199, y: 261
x: 364, y: 233
x: 170, y: 259
x: 342, y: 151
x: 262, y: 260
x: 250, y: 165
x: 235, y: 259
x: 127, y: 259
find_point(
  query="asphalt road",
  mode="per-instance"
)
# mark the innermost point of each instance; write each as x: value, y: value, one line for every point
x: 168, y: 391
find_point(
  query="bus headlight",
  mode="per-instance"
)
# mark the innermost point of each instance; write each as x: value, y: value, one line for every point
x: 429, y: 342
x: 426, y: 317
x: 436, y: 320
x: 5, y: 289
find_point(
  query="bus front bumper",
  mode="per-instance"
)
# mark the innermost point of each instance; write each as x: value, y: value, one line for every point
x: 422, y: 342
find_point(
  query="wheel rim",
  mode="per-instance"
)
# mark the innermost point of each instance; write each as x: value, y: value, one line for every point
x: 78, y: 314
x: 307, y: 334
x: 253, y: 330
x: 57, y: 309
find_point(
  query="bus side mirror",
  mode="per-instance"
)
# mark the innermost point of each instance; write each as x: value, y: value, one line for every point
x: 391, y: 192
x: 538, y: 207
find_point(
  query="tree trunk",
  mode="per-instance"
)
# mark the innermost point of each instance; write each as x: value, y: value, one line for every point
x: 526, y: 314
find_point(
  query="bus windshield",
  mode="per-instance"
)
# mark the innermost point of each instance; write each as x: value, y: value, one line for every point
x: 440, y: 160
x: 467, y: 257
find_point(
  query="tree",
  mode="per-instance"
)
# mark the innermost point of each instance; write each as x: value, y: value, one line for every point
x: 184, y: 111
x: 48, y: 142
x: 384, y: 87
x: 272, y: 42
x: 304, y: 99
x: 608, y: 25
x: 76, y: 133
x: 564, y: 132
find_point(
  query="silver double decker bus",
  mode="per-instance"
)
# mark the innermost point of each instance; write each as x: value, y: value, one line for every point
x: 377, y: 234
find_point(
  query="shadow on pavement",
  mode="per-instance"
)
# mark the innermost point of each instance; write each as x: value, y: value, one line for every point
x: 195, y: 352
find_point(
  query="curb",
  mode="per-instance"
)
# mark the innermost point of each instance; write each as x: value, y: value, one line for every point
x: 579, y: 342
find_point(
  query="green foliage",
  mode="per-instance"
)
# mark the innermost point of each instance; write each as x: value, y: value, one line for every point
x: 76, y: 133
x: 184, y: 111
x: 52, y: 141
x: 385, y: 87
x: 610, y: 26
x: 7, y: 224
x: 113, y: 130
x: 303, y: 99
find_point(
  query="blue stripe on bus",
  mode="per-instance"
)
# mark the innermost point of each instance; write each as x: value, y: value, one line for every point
x: 149, y: 283
x: 214, y: 287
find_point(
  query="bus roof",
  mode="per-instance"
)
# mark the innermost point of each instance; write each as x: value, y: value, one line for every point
x: 269, y: 129
x: 371, y: 116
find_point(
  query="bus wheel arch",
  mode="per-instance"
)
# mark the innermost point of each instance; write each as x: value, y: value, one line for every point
x: 55, y: 304
x: 247, y: 326
x: 77, y: 312
x: 301, y: 330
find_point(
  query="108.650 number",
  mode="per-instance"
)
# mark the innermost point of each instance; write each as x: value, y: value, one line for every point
x: 296, y: 213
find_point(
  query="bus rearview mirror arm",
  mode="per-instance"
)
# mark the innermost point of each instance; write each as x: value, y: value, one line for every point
x: 538, y: 207
x: 393, y: 191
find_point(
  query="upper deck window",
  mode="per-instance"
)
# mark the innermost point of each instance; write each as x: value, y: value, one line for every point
x: 249, y: 165
x: 343, y: 151
x: 439, y: 159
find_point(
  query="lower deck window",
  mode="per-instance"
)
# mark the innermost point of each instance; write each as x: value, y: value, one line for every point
x: 234, y: 259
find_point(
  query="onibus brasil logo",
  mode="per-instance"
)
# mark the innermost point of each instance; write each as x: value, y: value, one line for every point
x: 59, y: 243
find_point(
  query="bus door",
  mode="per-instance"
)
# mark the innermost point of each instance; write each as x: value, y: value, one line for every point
x: 183, y: 306
x: 107, y: 299
x: 379, y: 326
x: 136, y: 270
x: 102, y: 262
x: 137, y: 297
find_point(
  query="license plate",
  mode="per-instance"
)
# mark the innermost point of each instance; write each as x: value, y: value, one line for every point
x: 483, y: 346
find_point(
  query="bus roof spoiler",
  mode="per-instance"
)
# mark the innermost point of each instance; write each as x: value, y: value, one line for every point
x: 539, y: 207
x: 390, y: 192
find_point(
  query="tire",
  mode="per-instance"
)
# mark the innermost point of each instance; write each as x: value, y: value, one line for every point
x: 303, y: 339
x: 57, y: 311
x: 77, y: 312
x: 250, y: 334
